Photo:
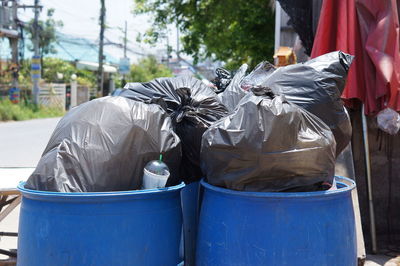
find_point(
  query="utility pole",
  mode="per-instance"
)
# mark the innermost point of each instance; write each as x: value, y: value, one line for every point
x: 168, y: 51
x: 101, y: 56
x: 125, y: 43
x: 9, y: 29
x: 177, y: 41
x: 125, y: 37
x: 36, y: 67
x: 14, y: 51
x: 124, y: 64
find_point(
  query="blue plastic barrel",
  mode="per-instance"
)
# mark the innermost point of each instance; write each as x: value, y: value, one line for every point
x: 191, y: 209
x: 277, y: 229
x: 141, y: 227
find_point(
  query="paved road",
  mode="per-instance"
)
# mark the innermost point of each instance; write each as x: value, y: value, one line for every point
x: 22, y: 143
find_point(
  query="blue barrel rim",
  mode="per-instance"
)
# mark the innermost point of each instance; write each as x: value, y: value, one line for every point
x: 347, y: 183
x: 54, y: 194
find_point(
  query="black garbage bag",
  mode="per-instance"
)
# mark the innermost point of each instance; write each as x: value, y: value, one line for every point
x: 317, y: 86
x: 268, y: 144
x: 104, y: 144
x: 192, y: 106
x: 232, y: 95
x: 257, y: 76
x: 222, y: 79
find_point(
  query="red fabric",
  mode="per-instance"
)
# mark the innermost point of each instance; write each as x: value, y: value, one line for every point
x: 369, y: 30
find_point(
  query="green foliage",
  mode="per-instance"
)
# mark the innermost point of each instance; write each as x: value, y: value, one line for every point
x: 147, y: 69
x: 86, y: 77
x: 24, y: 77
x: 52, y: 66
x: 23, y: 111
x: 47, y: 33
x: 234, y: 31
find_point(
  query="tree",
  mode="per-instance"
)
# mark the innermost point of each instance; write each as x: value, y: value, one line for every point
x: 147, y: 69
x: 52, y: 66
x: 47, y: 33
x: 234, y: 31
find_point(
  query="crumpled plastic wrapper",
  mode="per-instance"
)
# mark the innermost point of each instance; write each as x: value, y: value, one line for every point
x: 192, y: 106
x: 388, y: 121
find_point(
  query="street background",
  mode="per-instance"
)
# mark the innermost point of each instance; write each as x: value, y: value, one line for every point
x: 22, y: 145
x: 23, y: 142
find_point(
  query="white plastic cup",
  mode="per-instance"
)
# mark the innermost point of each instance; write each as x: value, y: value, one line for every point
x: 152, y: 181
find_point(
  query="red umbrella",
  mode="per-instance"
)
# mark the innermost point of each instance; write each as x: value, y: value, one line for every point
x: 368, y: 29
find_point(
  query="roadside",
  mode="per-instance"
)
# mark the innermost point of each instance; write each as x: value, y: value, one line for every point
x: 22, y: 145
x: 23, y: 111
x: 23, y: 142
x: 377, y: 260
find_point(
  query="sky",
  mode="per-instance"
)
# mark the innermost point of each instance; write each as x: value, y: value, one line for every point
x: 80, y: 18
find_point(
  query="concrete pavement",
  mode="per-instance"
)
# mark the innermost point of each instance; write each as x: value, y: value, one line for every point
x: 377, y: 260
x: 21, y: 145
x: 22, y: 142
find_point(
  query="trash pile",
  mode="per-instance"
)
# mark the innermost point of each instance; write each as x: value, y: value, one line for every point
x: 275, y: 129
x: 268, y: 144
x: 103, y: 145
x: 315, y: 86
x: 192, y: 106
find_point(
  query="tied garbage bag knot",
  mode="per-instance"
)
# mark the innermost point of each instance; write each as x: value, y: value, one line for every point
x: 192, y: 106
x: 266, y: 92
x: 315, y: 86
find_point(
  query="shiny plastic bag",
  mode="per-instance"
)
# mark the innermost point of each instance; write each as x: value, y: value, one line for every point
x: 104, y: 144
x: 388, y: 121
x: 233, y: 93
x: 268, y: 144
x: 222, y: 79
x: 257, y: 76
x: 315, y: 85
x: 193, y: 107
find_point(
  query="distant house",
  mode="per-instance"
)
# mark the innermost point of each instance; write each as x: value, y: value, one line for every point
x: 83, y: 53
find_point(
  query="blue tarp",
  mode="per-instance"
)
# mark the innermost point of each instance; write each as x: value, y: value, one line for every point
x: 71, y: 48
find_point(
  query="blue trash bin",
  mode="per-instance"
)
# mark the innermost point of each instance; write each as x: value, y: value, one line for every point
x: 141, y: 227
x: 191, y: 209
x: 277, y: 229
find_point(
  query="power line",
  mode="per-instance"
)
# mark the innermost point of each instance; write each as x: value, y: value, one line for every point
x: 65, y: 50
x: 63, y: 9
x: 120, y: 45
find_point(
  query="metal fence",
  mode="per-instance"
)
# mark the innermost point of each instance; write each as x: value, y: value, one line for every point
x: 83, y: 94
x: 53, y: 95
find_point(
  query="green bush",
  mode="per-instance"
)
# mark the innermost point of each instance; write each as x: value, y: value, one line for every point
x: 23, y: 111
x: 52, y: 66
x: 147, y: 69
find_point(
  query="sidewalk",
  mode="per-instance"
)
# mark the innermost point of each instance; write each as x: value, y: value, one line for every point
x: 375, y: 260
